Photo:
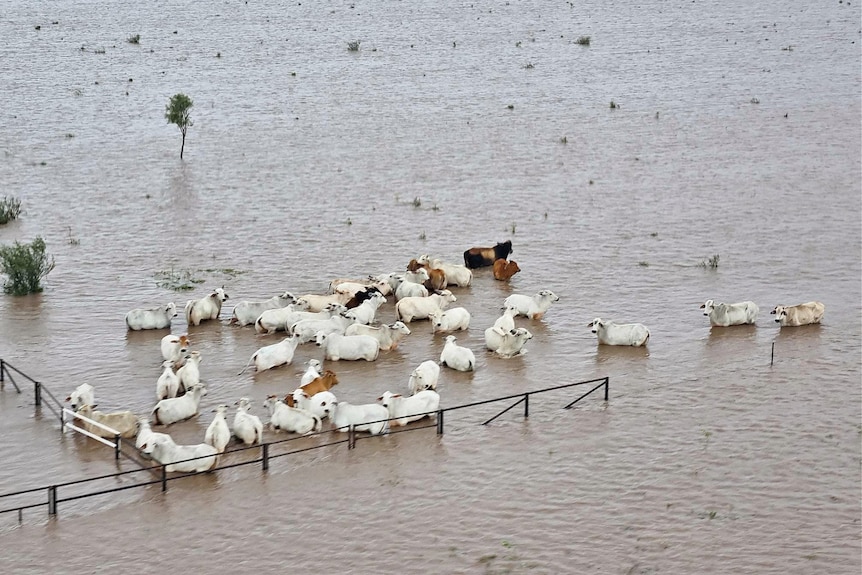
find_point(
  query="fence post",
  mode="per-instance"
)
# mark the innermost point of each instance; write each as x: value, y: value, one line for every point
x: 526, y: 405
x: 117, y: 446
x: 607, y: 386
x: 52, y: 500
x: 2, y: 373
x: 265, y: 455
x: 439, y: 422
x: 38, y: 389
x: 164, y: 479
x: 351, y: 438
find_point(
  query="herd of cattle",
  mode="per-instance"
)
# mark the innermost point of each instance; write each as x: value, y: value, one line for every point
x: 343, y: 322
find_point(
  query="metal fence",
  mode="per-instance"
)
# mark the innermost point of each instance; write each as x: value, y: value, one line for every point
x: 50, y: 496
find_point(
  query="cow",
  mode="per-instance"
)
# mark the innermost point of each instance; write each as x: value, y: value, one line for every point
x: 206, y: 308
x: 726, y: 314
x: 505, y: 269
x: 801, y: 314
x: 483, y: 257
x: 610, y: 333
x: 152, y: 318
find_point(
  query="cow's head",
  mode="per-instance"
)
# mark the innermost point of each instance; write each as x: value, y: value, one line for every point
x: 780, y: 312
x: 595, y: 324
x: 219, y: 294
x: 708, y: 306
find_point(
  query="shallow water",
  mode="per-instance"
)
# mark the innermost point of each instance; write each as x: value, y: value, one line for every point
x: 303, y: 165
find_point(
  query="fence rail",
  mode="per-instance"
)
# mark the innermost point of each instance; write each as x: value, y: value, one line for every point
x: 127, y: 449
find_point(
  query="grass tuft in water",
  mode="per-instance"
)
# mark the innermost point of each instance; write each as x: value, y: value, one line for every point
x: 583, y: 40
x: 711, y: 263
x: 177, y: 280
x: 353, y: 46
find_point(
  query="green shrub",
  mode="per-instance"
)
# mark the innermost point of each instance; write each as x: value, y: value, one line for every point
x: 353, y: 45
x: 136, y: 39
x: 583, y: 40
x: 10, y: 209
x: 25, y: 265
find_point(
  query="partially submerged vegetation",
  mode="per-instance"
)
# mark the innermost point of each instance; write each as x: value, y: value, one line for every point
x: 186, y: 279
x: 711, y: 263
x: 25, y: 265
x: 10, y: 209
x: 177, y: 280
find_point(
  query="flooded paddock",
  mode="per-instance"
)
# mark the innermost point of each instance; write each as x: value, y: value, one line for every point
x: 735, y: 132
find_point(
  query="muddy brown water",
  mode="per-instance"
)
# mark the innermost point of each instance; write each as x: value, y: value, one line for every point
x: 736, y: 132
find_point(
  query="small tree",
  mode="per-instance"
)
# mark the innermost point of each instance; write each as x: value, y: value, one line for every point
x: 25, y: 265
x: 178, y: 111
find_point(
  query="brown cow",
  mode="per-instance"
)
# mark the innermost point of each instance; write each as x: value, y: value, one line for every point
x: 505, y: 269
x: 322, y: 383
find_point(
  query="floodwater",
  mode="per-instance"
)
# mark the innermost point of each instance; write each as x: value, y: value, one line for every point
x: 736, y: 132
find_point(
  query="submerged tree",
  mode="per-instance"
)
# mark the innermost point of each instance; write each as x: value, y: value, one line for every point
x: 178, y: 111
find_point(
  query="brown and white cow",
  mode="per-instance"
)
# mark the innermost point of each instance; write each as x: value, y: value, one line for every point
x: 323, y: 383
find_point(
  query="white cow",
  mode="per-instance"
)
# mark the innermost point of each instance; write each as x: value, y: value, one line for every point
x: 168, y: 384
x: 457, y: 357
x: 350, y: 347
x: 190, y: 374
x: 84, y: 394
x: 153, y: 318
x: 311, y: 373
x: 247, y: 312
x: 218, y: 432
x: 533, y: 307
x: 411, y: 288
x: 277, y: 319
x: 506, y: 322
x: 123, y: 422
x: 610, y: 333
x: 411, y: 308
x: 174, y: 409
x: 370, y: 417
x: 725, y: 314
x: 209, y: 307
x: 425, y: 376
x: 174, y: 347
x: 452, y: 319
x: 388, y: 336
x: 508, y: 344
x: 318, y: 302
x: 247, y: 427
x: 291, y: 419
x: 307, y: 329
x: 145, y: 433
x: 403, y: 410
x: 364, y: 313
x: 270, y: 356
x: 801, y: 314
x: 320, y: 404
x: 183, y: 458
